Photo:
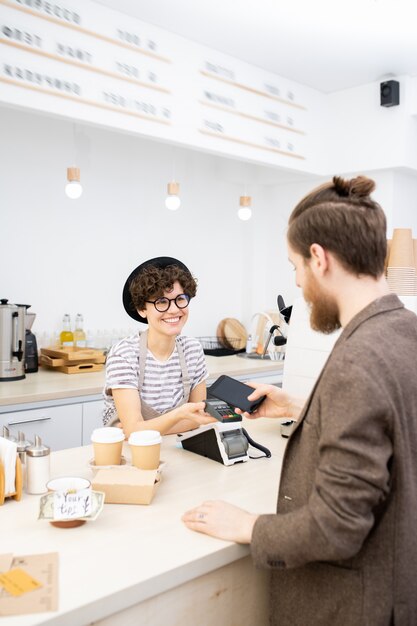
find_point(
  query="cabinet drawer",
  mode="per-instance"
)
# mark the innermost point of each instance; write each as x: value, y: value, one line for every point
x: 59, y: 427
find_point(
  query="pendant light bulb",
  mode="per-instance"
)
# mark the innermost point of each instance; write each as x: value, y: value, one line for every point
x: 173, y: 201
x: 73, y: 188
x: 245, y: 212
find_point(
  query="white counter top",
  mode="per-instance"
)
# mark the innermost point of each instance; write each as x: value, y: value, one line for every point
x: 50, y: 385
x: 132, y: 552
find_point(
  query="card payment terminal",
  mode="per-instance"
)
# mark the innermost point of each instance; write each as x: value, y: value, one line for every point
x: 225, y: 440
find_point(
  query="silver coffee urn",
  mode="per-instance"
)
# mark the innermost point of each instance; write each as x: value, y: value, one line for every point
x: 12, y: 340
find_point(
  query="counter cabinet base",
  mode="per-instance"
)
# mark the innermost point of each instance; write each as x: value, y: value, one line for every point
x: 234, y: 595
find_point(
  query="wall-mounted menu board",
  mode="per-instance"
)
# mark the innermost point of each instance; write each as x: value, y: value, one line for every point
x: 80, y: 60
x: 251, y: 109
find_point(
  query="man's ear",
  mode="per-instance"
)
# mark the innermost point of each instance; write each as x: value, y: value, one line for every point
x: 319, y: 258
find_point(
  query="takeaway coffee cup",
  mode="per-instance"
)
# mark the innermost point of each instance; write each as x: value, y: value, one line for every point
x: 145, y: 446
x: 107, y: 444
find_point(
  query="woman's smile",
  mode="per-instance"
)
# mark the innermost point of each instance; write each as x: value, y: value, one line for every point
x: 172, y: 320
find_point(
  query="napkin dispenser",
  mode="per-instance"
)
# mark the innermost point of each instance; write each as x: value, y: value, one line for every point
x: 220, y: 441
x: 10, y: 471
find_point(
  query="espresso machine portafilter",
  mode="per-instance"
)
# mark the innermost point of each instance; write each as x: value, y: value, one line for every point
x: 12, y: 340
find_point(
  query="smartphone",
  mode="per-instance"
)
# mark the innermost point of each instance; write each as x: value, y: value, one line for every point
x: 234, y: 393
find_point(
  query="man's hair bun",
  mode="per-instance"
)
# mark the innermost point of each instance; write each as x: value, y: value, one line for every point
x: 359, y: 187
x: 342, y: 217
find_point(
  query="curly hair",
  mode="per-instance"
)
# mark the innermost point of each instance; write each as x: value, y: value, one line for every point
x: 342, y: 217
x: 152, y: 282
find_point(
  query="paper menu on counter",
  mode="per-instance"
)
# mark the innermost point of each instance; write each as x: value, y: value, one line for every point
x: 41, y: 567
x: 17, y: 581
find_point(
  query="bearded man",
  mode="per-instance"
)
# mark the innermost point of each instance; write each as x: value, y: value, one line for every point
x: 342, y: 547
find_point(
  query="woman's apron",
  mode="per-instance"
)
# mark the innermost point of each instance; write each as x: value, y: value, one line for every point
x: 147, y: 411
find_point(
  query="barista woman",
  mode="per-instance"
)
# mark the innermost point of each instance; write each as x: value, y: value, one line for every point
x: 156, y: 379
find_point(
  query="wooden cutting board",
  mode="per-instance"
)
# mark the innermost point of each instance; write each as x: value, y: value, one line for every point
x: 232, y: 334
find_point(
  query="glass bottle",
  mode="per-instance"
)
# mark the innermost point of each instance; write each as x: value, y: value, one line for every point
x: 80, y: 339
x: 66, y: 337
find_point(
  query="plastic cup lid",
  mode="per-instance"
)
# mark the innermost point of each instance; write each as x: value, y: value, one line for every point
x: 145, y: 438
x: 109, y: 434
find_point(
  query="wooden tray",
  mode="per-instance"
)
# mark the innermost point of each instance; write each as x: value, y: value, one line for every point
x: 75, y: 368
x: 57, y: 362
x: 74, y: 354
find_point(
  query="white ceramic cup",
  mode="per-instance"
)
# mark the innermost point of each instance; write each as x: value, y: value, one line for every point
x: 64, y: 484
x: 68, y: 483
x: 107, y: 444
x: 145, y: 446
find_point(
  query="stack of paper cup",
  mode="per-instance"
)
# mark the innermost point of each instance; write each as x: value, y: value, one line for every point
x: 107, y: 444
x: 389, y: 241
x: 415, y: 253
x: 145, y: 446
x: 401, y: 268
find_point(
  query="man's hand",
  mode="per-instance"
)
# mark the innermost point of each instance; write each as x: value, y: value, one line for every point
x: 276, y: 404
x: 222, y: 520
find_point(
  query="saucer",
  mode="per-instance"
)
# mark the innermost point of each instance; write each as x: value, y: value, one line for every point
x: 73, y: 523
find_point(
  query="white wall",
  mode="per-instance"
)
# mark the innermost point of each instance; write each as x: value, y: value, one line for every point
x: 404, y: 201
x: 61, y: 255
x: 366, y: 136
x: 70, y: 256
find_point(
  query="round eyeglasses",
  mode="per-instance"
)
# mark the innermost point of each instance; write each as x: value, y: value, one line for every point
x: 163, y: 304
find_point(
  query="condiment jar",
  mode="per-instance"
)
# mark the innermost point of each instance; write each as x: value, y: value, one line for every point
x: 37, y: 467
x: 22, y: 445
x: 7, y: 435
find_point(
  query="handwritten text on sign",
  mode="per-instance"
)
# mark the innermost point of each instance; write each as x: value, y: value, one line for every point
x: 72, y: 504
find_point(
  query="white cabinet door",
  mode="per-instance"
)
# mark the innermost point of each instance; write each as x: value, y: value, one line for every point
x: 58, y: 426
x: 92, y: 418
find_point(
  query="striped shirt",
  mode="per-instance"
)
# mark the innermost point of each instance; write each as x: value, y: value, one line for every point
x: 162, y: 385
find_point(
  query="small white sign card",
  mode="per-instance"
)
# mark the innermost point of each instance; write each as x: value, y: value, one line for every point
x: 72, y: 504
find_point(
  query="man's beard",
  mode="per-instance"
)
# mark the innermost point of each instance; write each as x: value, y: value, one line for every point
x: 324, y: 313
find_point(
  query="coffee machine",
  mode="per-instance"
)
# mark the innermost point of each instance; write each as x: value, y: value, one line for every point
x: 31, y: 347
x: 12, y: 340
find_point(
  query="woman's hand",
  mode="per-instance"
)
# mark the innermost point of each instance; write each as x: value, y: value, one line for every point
x: 194, y: 413
x: 276, y: 404
x: 221, y: 519
x: 185, y: 417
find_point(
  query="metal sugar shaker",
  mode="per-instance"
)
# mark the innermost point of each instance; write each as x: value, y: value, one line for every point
x: 7, y: 435
x: 37, y: 466
x: 22, y: 445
